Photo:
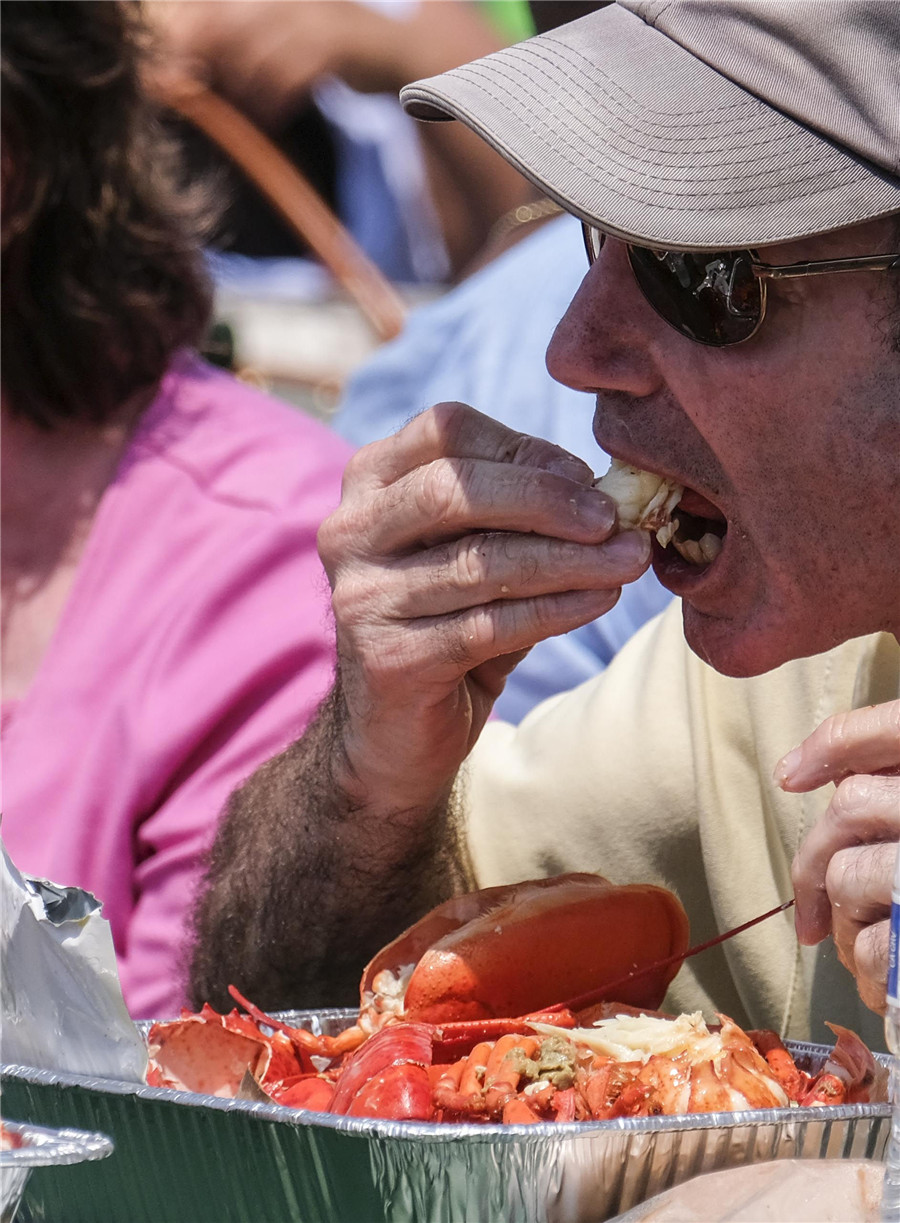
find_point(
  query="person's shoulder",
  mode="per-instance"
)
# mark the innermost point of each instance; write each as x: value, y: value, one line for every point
x: 239, y: 445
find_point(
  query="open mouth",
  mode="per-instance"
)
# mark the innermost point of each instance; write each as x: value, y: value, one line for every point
x: 682, y: 520
x: 698, y: 529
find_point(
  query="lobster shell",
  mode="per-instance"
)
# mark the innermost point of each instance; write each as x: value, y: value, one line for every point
x: 518, y: 948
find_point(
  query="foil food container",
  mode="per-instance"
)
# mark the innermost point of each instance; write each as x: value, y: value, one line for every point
x: 184, y: 1156
x: 42, y: 1148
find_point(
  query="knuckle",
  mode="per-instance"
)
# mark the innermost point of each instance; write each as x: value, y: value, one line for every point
x: 838, y: 728
x: 831, y: 735
x: 326, y: 543
x: 480, y: 635
x: 543, y: 457
x: 358, y: 466
x: 841, y: 731
x: 472, y: 562
x: 544, y: 613
x: 459, y: 651
x: 459, y: 640
x: 442, y: 493
x: 343, y: 602
x: 445, y: 421
x: 852, y: 796
x: 527, y: 558
x: 435, y: 491
x: 328, y: 546
x: 871, y: 951
x: 799, y: 869
x: 874, y: 996
x: 861, y: 876
x: 337, y: 537
x: 528, y: 451
x: 841, y: 874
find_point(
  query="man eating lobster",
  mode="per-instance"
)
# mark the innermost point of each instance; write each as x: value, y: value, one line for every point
x: 736, y: 169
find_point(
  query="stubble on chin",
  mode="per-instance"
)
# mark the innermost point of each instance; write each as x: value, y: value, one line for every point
x: 728, y: 647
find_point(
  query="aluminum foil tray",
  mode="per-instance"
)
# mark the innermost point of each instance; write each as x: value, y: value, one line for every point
x: 42, y: 1148
x: 183, y: 1157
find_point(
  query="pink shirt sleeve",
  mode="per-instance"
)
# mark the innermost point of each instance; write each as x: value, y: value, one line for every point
x: 195, y: 645
x: 234, y: 681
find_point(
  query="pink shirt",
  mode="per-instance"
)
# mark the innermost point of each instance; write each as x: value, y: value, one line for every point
x: 194, y: 645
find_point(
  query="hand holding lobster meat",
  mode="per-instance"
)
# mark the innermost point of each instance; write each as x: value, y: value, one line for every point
x: 844, y: 869
x: 457, y: 546
x: 473, y: 1014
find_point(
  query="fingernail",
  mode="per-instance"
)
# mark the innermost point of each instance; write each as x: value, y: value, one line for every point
x: 787, y: 766
x: 801, y: 929
x: 629, y: 547
x: 812, y: 922
x: 594, y: 509
x: 570, y: 466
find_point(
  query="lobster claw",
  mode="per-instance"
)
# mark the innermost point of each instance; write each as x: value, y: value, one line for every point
x: 517, y: 949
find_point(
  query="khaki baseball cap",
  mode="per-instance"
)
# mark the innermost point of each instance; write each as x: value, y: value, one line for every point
x: 697, y: 124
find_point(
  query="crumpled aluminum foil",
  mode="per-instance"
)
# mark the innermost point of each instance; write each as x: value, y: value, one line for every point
x: 61, y: 1004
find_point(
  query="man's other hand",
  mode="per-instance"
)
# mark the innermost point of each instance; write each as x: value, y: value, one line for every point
x: 844, y: 869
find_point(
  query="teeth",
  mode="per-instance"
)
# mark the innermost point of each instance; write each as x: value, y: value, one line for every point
x: 666, y: 531
x: 690, y: 550
x: 710, y: 547
x: 701, y: 551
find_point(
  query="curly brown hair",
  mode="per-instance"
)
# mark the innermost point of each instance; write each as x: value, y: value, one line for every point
x: 102, y: 272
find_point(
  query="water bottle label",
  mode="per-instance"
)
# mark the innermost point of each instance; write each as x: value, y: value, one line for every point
x: 893, y: 996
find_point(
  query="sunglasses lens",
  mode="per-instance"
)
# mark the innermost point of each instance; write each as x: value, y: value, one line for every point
x: 710, y: 298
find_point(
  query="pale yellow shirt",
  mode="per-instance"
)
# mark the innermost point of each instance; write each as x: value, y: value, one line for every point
x: 660, y: 770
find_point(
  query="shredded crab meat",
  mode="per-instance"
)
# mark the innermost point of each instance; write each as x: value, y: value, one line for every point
x: 643, y: 500
x: 640, y: 1037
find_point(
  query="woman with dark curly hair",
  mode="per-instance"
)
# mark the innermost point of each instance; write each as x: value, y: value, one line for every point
x: 164, y: 618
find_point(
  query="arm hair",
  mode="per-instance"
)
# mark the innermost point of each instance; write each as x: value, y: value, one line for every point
x: 304, y: 886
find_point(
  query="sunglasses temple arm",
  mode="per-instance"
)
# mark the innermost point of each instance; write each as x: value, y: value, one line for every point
x: 793, y: 271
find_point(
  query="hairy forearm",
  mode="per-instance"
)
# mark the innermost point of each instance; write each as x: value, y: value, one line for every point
x: 337, y: 845
x: 305, y: 883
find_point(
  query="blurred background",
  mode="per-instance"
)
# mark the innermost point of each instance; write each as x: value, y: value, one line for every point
x: 338, y: 212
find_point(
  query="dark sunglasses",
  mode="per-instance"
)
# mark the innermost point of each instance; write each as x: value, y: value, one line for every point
x: 719, y: 298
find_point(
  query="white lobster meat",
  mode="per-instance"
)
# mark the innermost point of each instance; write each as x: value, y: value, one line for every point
x: 643, y: 500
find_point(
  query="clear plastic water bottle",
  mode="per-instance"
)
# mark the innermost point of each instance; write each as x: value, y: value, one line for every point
x: 890, y: 1201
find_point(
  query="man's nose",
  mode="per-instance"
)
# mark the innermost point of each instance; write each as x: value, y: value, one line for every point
x: 602, y: 342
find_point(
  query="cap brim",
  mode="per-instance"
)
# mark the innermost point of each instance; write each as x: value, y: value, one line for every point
x: 629, y: 131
